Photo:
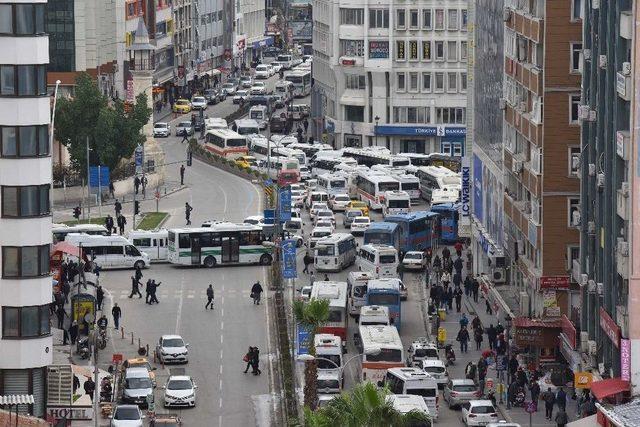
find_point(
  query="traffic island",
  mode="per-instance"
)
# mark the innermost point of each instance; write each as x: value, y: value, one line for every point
x: 152, y: 220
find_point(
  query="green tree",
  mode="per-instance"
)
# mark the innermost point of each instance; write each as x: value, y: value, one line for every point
x: 311, y: 315
x: 113, y: 133
x: 364, y: 406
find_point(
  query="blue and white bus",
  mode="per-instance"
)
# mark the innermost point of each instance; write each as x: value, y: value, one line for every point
x: 301, y: 82
x: 383, y: 233
x: 448, y: 221
x: 418, y: 230
x: 386, y: 292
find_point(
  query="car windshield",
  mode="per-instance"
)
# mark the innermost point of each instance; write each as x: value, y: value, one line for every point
x: 321, y: 384
x: 173, y: 342
x: 483, y: 410
x: 426, y: 352
x: 413, y: 256
x: 126, y: 414
x: 342, y: 198
x: 179, y: 385
x: 140, y: 365
x: 424, y: 392
x: 160, y: 125
x: 354, y: 213
x: 383, y: 299
x: 137, y: 383
x: 184, y: 124
x: 325, y: 213
x: 434, y: 369
x: 465, y: 388
x: 228, y: 85
x: 361, y: 221
x: 320, y: 234
x: 198, y: 99
x: 182, y: 102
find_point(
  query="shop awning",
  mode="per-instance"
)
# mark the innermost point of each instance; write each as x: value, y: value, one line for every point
x: 351, y: 97
x: 589, y: 421
x: 525, y: 322
x: 609, y: 387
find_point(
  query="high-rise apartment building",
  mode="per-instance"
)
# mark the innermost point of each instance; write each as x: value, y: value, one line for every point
x: 392, y: 74
x: 542, y: 41
x: 209, y: 30
x: 25, y: 215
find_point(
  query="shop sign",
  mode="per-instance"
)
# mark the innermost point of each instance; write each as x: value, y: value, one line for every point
x: 477, y: 189
x: 550, y: 304
x: 240, y: 44
x: 130, y: 94
x: 554, y: 282
x: 609, y: 327
x: 583, y: 379
x: 73, y: 413
x: 465, y: 199
x: 349, y: 62
x: 420, y: 130
x: 625, y: 359
x: 378, y: 49
x: 529, y: 336
x: 569, y: 331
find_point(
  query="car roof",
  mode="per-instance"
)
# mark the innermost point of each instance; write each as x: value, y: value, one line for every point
x: 137, y: 360
x: 327, y: 229
x: 433, y: 362
x: 413, y: 252
x: 179, y: 378
x: 127, y: 407
x: 166, y: 337
x: 160, y: 123
x: 481, y: 403
x: 462, y: 381
x: 184, y: 123
x: 136, y: 372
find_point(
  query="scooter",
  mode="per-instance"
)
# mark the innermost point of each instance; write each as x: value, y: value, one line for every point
x: 450, y: 355
x: 83, y: 348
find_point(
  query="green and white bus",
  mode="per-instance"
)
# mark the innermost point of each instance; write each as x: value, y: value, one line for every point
x: 220, y: 244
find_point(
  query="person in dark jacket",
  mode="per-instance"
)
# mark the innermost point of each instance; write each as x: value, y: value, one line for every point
x: 534, y: 388
x: 450, y: 298
x: 187, y: 212
x: 549, y: 400
x: 108, y: 223
x: 60, y: 314
x: 249, y: 359
x: 467, y: 285
x: 458, y: 296
x: 122, y: 221
x: 152, y: 292
x: 73, y: 332
x: 463, y: 339
x: 307, y: 260
x: 561, y: 418
x: 255, y: 361
x: 99, y: 297
x: 209, y: 297
x: 117, y: 207
x: 457, y: 265
x: 475, y: 288
x: 89, y: 387
x: 116, y: 312
x: 477, y: 337
x: 446, y: 253
x: 561, y: 399
x: 492, y: 336
x: 135, y: 288
x: 256, y: 291
x: 136, y: 184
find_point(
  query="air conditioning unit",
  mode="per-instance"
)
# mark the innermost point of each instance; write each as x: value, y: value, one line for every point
x: 626, y: 68
x: 583, y: 112
x: 592, y: 347
x: 591, y: 286
x: 600, y: 180
x: 624, y: 189
x: 591, y: 227
x: 503, y: 103
x: 584, y: 341
x: 602, y: 61
x: 623, y: 248
x: 506, y: 14
x: 524, y: 303
x: 595, y: 4
x: 498, y: 275
x: 593, y: 115
x: 600, y: 288
x: 592, y: 169
x: 584, y: 279
x: 586, y: 54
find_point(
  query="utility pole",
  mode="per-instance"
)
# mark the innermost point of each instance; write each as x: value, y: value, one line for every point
x: 88, y: 183
x: 99, y: 192
x: 96, y: 391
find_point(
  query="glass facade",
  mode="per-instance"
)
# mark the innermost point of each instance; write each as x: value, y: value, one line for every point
x: 61, y: 29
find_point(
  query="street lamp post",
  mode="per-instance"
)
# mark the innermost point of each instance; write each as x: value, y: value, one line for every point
x: 507, y: 320
x: 375, y: 130
x: 53, y: 117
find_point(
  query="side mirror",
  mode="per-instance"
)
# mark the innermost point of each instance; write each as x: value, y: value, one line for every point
x: 195, y: 386
x: 186, y: 345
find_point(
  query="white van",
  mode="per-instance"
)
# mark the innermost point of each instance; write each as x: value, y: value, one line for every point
x: 246, y: 127
x: 60, y: 231
x: 357, y: 283
x: 374, y: 315
x: 335, y: 252
x: 405, y: 403
x: 329, y: 351
x: 214, y: 123
x: 152, y: 243
x: 416, y: 382
x: 396, y: 202
x: 259, y: 114
x: 110, y: 251
x: 381, y: 260
x: 316, y: 196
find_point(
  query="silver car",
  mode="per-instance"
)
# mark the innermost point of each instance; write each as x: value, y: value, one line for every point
x: 458, y: 391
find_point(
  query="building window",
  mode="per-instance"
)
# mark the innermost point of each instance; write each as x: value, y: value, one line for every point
x: 351, y: 140
x: 452, y: 51
x: 25, y: 322
x: 25, y: 201
x: 61, y: 29
x: 352, y: 48
x: 574, y: 161
x: 401, y: 82
x: 573, y: 253
x: 24, y: 141
x: 413, y: 82
x: 413, y: 50
x: 452, y: 82
x: 439, y: 82
x: 414, y: 115
x: 576, y: 10
x: 23, y: 80
x: 378, y: 18
x: 354, y: 81
x: 25, y: 261
x: 352, y: 16
x: 463, y: 51
x: 426, y: 19
x: 574, y: 106
x: 576, y: 50
x: 426, y: 50
x: 463, y: 19
x: 463, y: 82
x: 22, y: 19
x: 574, y: 211
x: 439, y: 50
x: 401, y: 17
x: 426, y: 82
x: 413, y: 19
x: 439, y: 19
x: 401, y: 54
x: 353, y: 113
x: 452, y: 19
x: 450, y: 115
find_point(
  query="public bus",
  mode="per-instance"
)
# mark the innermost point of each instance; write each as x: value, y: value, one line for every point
x: 436, y: 178
x: 396, y: 203
x: 410, y: 184
x: 376, y: 156
x: 386, y: 292
x: 371, y: 188
x: 152, y: 243
x: 60, y: 231
x: 324, y: 165
x: 222, y: 243
x: 262, y: 148
x: 333, y: 183
x: 286, y: 170
x: 280, y: 150
x: 336, y: 293
x: 446, y: 195
x: 310, y: 149
x: 448, y: 222
x: 381, y: 349
x: 226, y: 143
x: 301, y: 82
x: 417, y: 230
x: 382, y: 233
x: 357, y: 283
x: 335, y: 252
x: 435, y: 159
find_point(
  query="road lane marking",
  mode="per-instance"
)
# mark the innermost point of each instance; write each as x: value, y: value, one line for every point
x: 179, y: 313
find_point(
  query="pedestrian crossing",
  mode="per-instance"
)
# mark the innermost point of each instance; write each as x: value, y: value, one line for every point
x: 188, y: 294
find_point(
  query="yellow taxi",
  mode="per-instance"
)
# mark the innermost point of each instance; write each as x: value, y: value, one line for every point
x: 357, y: 204
x: 246, y: 162
x: 182, y: 106
x: 141, y: 362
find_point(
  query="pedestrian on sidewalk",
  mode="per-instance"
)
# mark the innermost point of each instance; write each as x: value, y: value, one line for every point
x: 561, y: 418
x: 307, y: 260
x: 256, y: 291
x: 475, y: 288
x: 467, y: 285
x: 306, y: 125
x: 457, y: 265
x: 182, y: 174
x: 187, y: 212
x: 135, y: 288
x: 561, y: 399
x: 99, y: 297
x: 248, y: 358
x: 210, y: 296
x: 73, y: 332
x: 112, y: 189
x: 457, y: 280
x: 476, y: 322
x: 89, y: 387
x: 255, y: 361
x: 477, y: 336
x: 492, y: 336
x: 122, y: 221
x: 501, y: 345
x: 148, y: 291
x: 458, y: 297
x: 116, y: 312
x: 136, y: 184
x: 445, y: 279
x: 549, y: 401
x: 463, y: 339
x: 60, y: 314
x: 144, y: 181
x: 446, y: 253
x: 464, y: 321
x: 312, y: 278
x: 65, y: 337
x: 450, y: 298
x: 117, y: 206
x: 108, y: 223
x: 488, y: 309
x: 499, y: 328
x: 534, y: 388
x: 185, y: 138
x: 470, y: 371
x: 458, y: 247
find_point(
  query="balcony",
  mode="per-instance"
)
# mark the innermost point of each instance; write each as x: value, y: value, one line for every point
x: 519, y: 211
x: 622, y: 203
x: 523, y: 23
x: 521, y: 120
x: 528, y: 75
x: 622, y: 258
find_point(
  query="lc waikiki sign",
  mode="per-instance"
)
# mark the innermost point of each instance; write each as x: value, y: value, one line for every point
x: 464, y: 223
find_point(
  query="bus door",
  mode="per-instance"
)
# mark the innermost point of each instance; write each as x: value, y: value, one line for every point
x: 196, y: 250
x: 230, y: 249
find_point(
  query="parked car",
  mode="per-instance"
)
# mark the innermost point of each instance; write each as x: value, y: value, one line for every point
x: 137, y: 386
x: 184, y: 128
x: 161, y: 129
x: 182, y: 106
x: 246, y: 82
x: 141, y: 362
x: 458, y: 391
x: 126, y: 416
x: 172, y: 348
x: 229, y: 88
x: 478, y: 413
x: 198, y: 103
x: 240, y: 95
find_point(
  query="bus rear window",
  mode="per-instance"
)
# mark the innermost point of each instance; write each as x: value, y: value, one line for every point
x: 424, y: 392
x: 239, y: 142
x: 387, y: 259
x: 386, y: 355
x: 325, y: 250
x: 335, y: 316
x: 382, y: 299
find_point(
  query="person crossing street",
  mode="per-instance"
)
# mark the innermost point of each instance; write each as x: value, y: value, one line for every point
x: 256, y: 291
x: 210, y: 296
x: 135, y: 288
x: 187, y: 212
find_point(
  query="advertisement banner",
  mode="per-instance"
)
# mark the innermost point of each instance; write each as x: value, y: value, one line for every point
x: 550, y: 303
x: 478, y: 210
x: 302, y: 339
x: 130, y: 95
x: 610, y: 328
x: 464, y: 222
x: 554, y: 282
x: 625, y: 359
x: 582, y: 380
x: 289, y: 259
x: 301, y: 29
x: 378, y: 49
x: 285, y: 204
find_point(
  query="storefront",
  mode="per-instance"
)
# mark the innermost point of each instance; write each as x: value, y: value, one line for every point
x: 537, y: 338
x: 257, y: 47
x: 424, y: 139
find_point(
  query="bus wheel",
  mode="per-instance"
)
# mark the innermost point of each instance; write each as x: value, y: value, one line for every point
x: 139, y: 265
x: 265, y: 259
x: 210, y: 262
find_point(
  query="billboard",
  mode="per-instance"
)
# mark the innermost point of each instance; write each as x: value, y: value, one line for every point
x: 378, y: 49
x: 301, y: 29
x: 477, y: 189
x: 464, y: 223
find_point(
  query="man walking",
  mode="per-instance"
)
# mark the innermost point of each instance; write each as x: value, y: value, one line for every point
x: 181, y: 174
x: 136, y: 184
x: 116, y: 312
x: 60, y: 313
x: 154, y: 287
x: 561, y: 399
x: 458, y: 297
x: 209, y: 297
x: 108, y: 223
x: 99, y: 297
x: 475, y: 287
x: 122, y: 221
x: 117, y: 206
x: 307, y: 260
x: 549, y: 401
x: 256, y: 291
x: 492, y: 336
x: 135, y: 288
x: 187, y: 212
x: 463, y: 338
x: 73, y: 332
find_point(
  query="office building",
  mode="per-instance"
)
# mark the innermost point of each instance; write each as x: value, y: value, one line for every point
x: 25, y: 214
x: 209, y: 30
x: 249, y: 32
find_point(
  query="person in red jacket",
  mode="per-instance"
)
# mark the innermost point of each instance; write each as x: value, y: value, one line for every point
x: 458, y: 247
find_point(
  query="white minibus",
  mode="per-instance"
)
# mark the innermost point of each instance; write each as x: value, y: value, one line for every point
x: 381, y: 260
x: 416, y: 382
x: 260, y: 115
x: 357, y: 282
x: 374, y: 315
x: 60, y: 231
x: 381, y: 349
x: 110, y: 251
x: 333, y: 183
x: 152, y: 243
x: 405, y: 403
x: 335, y: 252
x: 396, y: 203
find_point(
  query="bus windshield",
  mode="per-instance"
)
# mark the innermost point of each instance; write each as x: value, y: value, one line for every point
x: 324, y: 364
x: 377, y: 237
x: 451, y: 180
x: 383, y: 299
x: 240, y: 142
x: 294, y: 79
x: 387, y: 259
x: 388, y: 186
x: 337, y: 183
x: 398, y: 203
x: 386, y: 355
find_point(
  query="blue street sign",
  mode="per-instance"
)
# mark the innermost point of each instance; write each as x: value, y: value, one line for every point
x: 285, y: 204
x: 289, y: 259
x: 139, y: 158
x: 269, y: 216
x: 302, y: 339
x: 104, y: 176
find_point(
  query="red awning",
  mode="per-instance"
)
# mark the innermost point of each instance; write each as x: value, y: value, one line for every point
x: 525, y: 322
x: 609, y: 387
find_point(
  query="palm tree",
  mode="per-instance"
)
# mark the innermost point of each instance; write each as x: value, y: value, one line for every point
x: 364, y: 406
x: 312, y: 316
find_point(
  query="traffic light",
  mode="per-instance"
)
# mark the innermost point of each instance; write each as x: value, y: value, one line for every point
x: 76, y: 212
x: 136, y: 207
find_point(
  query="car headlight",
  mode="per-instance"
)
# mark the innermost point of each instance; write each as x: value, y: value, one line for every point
x: 191, y: 396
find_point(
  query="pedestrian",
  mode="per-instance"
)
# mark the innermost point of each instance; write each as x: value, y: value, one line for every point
x: 89, y: 387
x: 148, y: 290
x: 470, y: 371
x: 187, y: 212
x: 535, y: 391
x: 488, y: 309
x: 467, y: 285
x: 476, y: 322
x: 511, y: 392
x: 135, y: 288
x: 112, y: 190
x: 185, y: 138
x: 450, y: 298
x: 561, y: 399
x: 475, y: 288
x: 99, y: 297
x: 73, y: 332
x: 326, y: 277
x: 463, y: 338
x: 306, y: 125
x: 312, y: 278
x: 182, y: 174
x: 154, y: 289
x: 457, y: 280
x: 445, y: 278
x: 458, y: 296
x: 521, y: 378
x: 561, y: 418
x: 144, y: 181
x: 255, y: 361
x: 549, y: 401
x: 136, y: 184
x: 446, y: 253
x: 256, y: 291
x: 477, y: 336
x: 457, y: 265
x: 60, y: 313
x: 108, y: 223
x: 307, y: 260
x: 122, y: 221
x: 491, y: 336
x: 116, y: 312
x: 210, y: 296
x: 458, y: 247
x: 248, y: 358
x: 400, y: 271
x: 117, y: 206
x: 65, y: 337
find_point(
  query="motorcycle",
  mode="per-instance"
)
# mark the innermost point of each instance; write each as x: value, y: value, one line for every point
x: 450, y: 355
x: 519, y: 398
x: 83, y: 348
x: 102, y: 338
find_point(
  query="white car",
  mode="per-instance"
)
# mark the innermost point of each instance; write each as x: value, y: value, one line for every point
x: 172, y: 348
x: 258, y: 88
x: 318, y: 233
x: 305, y: 173
x: 229, y: 88
x: 305, y: 293
x: 262, y: 71
x: 437, y: 369
x: 240, y: 95
x: 126, y: 416
x: 325, y: 223
x: 414, y: 260
x: 246, y: 82
x: 199, y: 103
x: 297, y: 198
x: 180, y: 391
x: 360, y: 224
x: 161, y: 129
x: 326, y: 215
x: 254, y: 220
x: 478, y: 413
x: 339, y: 202
x: 317, y: 206
x: 276, y: 66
